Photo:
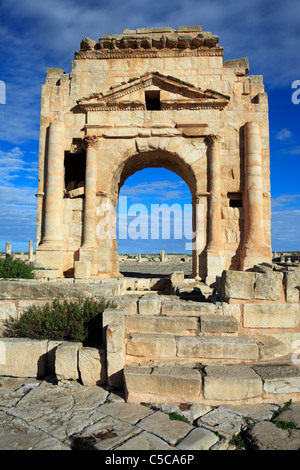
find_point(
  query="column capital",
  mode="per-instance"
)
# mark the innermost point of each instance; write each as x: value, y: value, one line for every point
x: 213, y: 139
x: 91, y: 140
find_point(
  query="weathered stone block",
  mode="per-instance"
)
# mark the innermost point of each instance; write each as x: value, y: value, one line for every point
x: 149, y: 304
x: 283, y: 315
x: 23, y: 357
x: 218, y: 324
x: 66, y: 361
x: 231, y: 382
x: 182, y: 308
x: 7, y: 310
x: 92, y: 366
x: 292, y: 286
x: 162, y: 325
x: 217, y: 347
x: 115, y: 354
x: 252, y: 285
x: 279, y: 378
x: 152, y: 346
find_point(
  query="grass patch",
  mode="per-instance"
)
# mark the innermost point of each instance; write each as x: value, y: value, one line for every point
x: 177, y: 417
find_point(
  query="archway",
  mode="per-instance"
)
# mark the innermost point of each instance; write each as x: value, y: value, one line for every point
x: 154, y: 224
x: 176, y: 164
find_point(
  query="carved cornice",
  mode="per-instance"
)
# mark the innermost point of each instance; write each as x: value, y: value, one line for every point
x: 152, y: 44
x: 153, y: 53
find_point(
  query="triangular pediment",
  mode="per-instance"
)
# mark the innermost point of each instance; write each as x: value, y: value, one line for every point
x: 177, y: 95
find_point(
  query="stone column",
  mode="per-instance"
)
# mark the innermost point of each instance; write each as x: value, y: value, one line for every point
x: 87, y: 264
x: 199, y: 203
x: 90, y: 202
x: 30, y: 252
x: 53, y: 228
x: 8, y: 249
x: 255, y: 249
x: 215, y: 248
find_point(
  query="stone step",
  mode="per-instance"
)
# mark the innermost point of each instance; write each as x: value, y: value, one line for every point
x: 192, y: 347
x: 211, y: 383
x: 187, y: 308
x: 183, y: 326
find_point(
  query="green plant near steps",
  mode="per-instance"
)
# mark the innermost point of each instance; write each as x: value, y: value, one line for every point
x: 78, y: 320
x: 15, y: 269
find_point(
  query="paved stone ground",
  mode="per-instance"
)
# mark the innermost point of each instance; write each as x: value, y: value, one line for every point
x: 42, y: 415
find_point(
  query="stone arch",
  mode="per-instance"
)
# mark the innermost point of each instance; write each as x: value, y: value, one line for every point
x: 174, y: 154
x: 177, y: 155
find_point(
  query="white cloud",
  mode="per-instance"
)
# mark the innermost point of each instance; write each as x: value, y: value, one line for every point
x: 283, y: 134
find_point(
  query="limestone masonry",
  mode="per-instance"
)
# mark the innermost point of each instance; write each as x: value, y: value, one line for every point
x: 153, y: 98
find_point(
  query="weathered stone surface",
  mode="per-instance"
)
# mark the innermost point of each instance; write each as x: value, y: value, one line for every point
x: 198, y: 439
x: 217, y: 347
x: 223, y: 422
x: 279, y: 315
x: 106, y: 434
x: 270, y: 347
x: 292, y: 286
x: 145, y: 441
x: 267, y: 436
x: 115, y: 354
x: 218, y: 324
x: 162, y: 325
x: 231, y: 382
x: 23, y: 357
x: 184, y: 308
x: 151, y: 346
x: 166, y: 381
x: 7, y: 310
x: 291, y: 415
x: 92, y: 366
x: 168, y: 430
x: 149, y: 304
x: 130, y: 412
x: 252, y: 285
x: 66, y: 361
x: 279, y: 378
x: 262, y: 412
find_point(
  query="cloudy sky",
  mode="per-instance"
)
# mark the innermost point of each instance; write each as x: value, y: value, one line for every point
x: 36, y: 35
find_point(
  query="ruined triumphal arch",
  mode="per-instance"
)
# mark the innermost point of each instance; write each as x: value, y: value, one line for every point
x: 153, y: 98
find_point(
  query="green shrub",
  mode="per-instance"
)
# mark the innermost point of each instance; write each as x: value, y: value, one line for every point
x: 14, y: 268
x: 78, y: 320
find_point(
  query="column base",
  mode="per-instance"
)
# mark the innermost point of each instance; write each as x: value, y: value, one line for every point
x: 255, y: 256
x: 51, y: 258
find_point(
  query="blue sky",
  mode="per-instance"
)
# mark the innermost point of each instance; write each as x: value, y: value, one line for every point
x: 36, y: 35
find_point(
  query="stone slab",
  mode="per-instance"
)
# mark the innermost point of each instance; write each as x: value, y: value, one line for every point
x: 162, y: 426
x: 187, y: 308
x: 231, y: 382
x: 217, y: 347
x: 279, y: 378
x: 198, y: 439
x: 152, y: 346
x: 23, y: 357
x: 223, y: 422
x: 162, y: 325
x: 145, y: 441
x: 165, y: 381
x: 218, y: 324
x: 279, y: 315
x: 130, y: 412
x: 267, y: 436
